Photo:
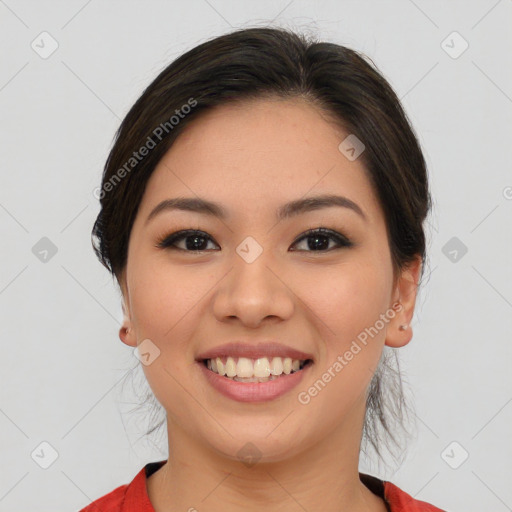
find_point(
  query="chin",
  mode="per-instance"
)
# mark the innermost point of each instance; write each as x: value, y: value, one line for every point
x: 258, y: 445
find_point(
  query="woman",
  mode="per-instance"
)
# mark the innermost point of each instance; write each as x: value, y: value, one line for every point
x: 262, y: 210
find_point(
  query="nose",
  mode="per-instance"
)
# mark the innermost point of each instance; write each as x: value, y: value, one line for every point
x: 253, y: 291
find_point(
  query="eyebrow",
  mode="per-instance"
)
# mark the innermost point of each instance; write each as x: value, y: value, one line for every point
x: 291, y: 209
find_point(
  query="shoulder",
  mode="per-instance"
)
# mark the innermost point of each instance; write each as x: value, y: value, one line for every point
x: 125, y: 498
x: 396, y: 500
x: 113, y: 501
x: 400, y: 501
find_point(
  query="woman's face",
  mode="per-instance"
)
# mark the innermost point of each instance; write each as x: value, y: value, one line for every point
x: 254, y: 277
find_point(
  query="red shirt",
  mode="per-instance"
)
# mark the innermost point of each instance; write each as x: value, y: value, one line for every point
x: 133, y: 497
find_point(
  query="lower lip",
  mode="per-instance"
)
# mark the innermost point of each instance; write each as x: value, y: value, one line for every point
x: 253, y: 391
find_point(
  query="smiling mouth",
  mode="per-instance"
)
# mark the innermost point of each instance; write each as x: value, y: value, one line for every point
x: 243, y: 369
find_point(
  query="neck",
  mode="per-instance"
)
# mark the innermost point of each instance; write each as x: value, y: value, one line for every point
x: 322, y: 477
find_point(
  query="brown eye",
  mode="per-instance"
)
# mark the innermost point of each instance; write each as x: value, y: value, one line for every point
x: 320, y: 239
x: 195, y: 241
x: 317, y: 240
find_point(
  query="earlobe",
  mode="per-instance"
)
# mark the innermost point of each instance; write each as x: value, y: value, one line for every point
x: 399, y: 331
x: 398, y: 335
x: 127, y: 336
x: 126, y: 333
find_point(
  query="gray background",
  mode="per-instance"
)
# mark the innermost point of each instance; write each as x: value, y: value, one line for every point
x: 63, y: 366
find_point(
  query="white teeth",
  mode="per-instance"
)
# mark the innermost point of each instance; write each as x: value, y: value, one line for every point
x: 276, y: 366
x: 220, y: 367
x: 254, y: 370
x: 261, y: 367
x: 244, y: 368
x: 230, y: 367
x: 287, y: 365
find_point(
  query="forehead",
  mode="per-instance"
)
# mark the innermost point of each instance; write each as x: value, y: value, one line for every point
x: 256, y: 155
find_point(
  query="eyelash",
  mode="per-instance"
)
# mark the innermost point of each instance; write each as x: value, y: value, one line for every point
x: 167, y: 241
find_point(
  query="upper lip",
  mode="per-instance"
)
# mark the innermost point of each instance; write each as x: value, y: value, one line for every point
x: 254, y: 351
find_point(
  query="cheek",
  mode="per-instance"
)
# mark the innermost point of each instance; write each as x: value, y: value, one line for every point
x: 166, y: 301
x: 348, y: 297
x: 163, y: 302
x: 348, y: 307
x: 351, y: 344
x: 163, y: 298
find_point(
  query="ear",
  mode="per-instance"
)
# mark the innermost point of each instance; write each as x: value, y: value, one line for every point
x: 126, y: 333
x: 399, y: 331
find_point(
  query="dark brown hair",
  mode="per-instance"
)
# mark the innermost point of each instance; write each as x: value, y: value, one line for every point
x: 256, y: 63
